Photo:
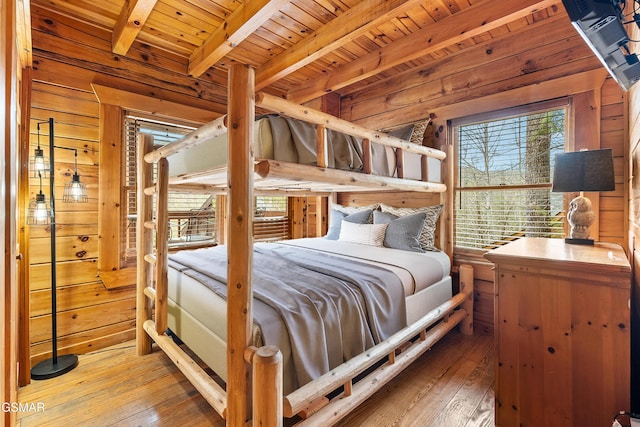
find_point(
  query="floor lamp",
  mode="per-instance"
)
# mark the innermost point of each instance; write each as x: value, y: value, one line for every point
x: 41, y: 213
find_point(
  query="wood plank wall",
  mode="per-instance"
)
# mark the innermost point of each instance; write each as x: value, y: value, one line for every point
x: 89, y: 316
x: 614, y: 135
x: 68, y: 58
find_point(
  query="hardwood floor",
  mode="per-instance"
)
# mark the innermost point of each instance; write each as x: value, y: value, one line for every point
x: 450, y: 385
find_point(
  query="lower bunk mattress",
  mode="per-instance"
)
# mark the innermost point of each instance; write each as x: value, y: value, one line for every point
x: 319, y: 301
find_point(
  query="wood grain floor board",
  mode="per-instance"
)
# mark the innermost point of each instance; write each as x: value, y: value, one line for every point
x: 450, y: 385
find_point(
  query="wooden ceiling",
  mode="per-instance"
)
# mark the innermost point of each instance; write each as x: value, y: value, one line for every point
x: 302, y: 49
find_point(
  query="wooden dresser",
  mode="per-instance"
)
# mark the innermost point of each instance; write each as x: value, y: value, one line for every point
x: 562, y: 327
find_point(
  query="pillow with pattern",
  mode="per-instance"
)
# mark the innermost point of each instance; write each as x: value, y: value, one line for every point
x: 403, y: 232
x: 428, y: 232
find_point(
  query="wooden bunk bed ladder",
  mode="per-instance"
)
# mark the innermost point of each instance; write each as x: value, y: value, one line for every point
x: 152, y: 279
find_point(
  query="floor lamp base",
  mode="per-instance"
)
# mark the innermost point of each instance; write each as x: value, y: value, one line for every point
x: 47, y: 369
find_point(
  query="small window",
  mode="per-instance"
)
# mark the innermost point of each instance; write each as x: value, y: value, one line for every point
x: 503, y: 189
x: 191, y: 215
x: 271, y: 220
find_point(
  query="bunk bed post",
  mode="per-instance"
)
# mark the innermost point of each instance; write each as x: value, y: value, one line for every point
x: 466, y: 286
x: 322, y: 148
x: 144, y: 245
x: 221, y: 219
x: 447, y: 200
x: 162, y: 245
x: 267, y: 389
x: 240, y: 241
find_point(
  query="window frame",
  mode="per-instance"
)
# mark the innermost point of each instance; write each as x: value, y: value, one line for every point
x: 128, y: 253
x: 113, y: 104
x: 564, y: 102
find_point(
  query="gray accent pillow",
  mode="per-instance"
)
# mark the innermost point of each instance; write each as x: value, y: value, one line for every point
x: 428, y: 233
x: 402, y: 232
x: 358, y: 217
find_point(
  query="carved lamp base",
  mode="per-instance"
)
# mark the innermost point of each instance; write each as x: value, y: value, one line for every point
x: 580, y: 217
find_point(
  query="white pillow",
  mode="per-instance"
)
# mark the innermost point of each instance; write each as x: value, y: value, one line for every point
x: 364, y: 234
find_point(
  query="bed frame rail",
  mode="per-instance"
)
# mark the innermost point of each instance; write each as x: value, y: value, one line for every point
x: 401, y: 350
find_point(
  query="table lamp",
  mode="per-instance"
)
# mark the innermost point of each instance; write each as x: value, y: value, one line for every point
x: 580, y: 171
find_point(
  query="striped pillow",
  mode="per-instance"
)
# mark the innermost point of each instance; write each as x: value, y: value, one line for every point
x: 364, y: 234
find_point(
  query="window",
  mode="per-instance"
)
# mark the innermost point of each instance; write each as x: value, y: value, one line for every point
x: 271, y: 220
x: 191, y: 215
x: 505, y: 166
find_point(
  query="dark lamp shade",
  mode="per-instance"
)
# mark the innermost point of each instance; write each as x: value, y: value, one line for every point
x: 584, y: 171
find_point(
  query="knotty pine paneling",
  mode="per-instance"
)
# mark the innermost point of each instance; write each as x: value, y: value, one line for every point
x: 528, y: 56
x: 69, y: 273
x: 83, y: 319
x: 58, y: 39
x: 612, y: 213
x: 88, y: 340
x: 75, y: 297
x: 89, y: 315
x: 67, y: 248
x: 304, y: 214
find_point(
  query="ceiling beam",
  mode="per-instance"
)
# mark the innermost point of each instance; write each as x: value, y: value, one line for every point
x: 345, y: 28
x: 132, y: 18
x: 479, y: 18
x: 242, y: 22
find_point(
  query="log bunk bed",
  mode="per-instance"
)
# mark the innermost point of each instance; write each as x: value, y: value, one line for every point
x: 254, y: 375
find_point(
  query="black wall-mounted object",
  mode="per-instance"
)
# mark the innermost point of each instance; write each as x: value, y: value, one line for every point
x: 601, y: 25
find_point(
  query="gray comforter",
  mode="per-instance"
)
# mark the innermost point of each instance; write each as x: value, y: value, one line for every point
x: 330, y: 308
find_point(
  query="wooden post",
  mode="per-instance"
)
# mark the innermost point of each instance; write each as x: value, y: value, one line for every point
x: 162, y: 245
x: 322, y: 149
x: 399, y: 163
x: 240, y: 241
x: 466, y: 285
x: 267, y: 390
x: 427, y: 141
x: 366, y: 155
x: 9, y: 107
x: 221, y: 219
x: 24, y: 348
x: 321, y: 204
x: 143, y: 244
x: 448, y: 172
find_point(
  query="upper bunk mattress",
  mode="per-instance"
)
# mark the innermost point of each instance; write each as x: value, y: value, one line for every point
x: 294, y: 141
